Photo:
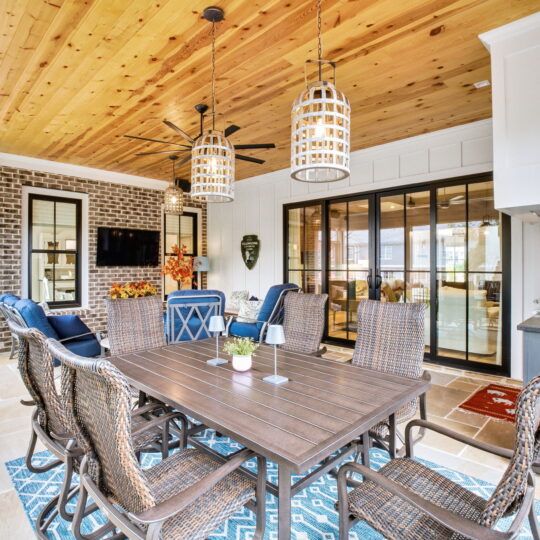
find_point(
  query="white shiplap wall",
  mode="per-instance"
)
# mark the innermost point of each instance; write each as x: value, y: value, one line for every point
x: 258, y: 209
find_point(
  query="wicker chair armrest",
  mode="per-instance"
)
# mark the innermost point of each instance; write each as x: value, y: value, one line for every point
x: 181, y: 500
x: 158, y: 421
x: 491, y: 448
x: 77, y: 336
x: 449, y: 519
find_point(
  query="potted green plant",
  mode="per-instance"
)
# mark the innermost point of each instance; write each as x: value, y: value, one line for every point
x: 241, y: 350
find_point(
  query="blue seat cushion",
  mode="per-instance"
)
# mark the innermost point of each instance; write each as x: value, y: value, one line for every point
x: 10, y: 299
x: 83, y: 347
x: 35, y: 317
x: 241, y: 329
x: 69, y: 325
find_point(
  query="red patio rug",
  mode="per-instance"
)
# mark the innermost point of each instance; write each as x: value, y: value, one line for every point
x: 494, y: 400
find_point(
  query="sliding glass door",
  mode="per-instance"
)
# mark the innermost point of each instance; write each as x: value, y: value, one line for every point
x: 348, y: 265
x: 441, y: 244
x: 404, y: 258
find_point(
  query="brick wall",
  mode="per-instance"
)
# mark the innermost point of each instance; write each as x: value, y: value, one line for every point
x: 109, y: 205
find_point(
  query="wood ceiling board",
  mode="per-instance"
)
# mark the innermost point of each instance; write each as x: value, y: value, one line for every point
x: 406, y: 68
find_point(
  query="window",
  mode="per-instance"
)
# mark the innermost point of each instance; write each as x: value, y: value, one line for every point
x: 180, y: 230
x: 54, y: 244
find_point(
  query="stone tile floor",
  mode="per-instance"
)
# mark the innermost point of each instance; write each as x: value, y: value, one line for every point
x: 450, y: 387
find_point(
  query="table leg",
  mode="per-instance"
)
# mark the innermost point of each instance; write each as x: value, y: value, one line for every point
x: 284, y: 503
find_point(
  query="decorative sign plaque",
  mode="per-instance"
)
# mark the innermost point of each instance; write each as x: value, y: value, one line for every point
x: 250, y: 246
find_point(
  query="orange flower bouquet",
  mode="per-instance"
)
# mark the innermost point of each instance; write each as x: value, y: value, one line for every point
x: 180, y: 266
x: 132, y: 289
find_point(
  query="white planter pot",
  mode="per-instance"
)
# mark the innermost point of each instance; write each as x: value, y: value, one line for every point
x: 241, y: 362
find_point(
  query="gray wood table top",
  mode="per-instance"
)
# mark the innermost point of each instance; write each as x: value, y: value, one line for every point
x: 322, y: 407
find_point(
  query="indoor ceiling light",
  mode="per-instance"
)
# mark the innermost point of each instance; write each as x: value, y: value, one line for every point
x: 321, y: 119
x: 212, y: 156
x: 173, y: 200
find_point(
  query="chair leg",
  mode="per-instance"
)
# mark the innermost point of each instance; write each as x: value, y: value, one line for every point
x: 68, y: 492
x: 45, y: 517
x: 36, y: 469
x: 533, y: 521
x: 81, y: 511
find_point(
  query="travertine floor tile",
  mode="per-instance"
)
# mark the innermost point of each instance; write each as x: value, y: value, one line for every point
x: 14, y: 524
x: 465, y: 417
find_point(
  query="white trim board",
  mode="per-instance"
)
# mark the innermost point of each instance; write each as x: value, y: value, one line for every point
x: 79, y: 171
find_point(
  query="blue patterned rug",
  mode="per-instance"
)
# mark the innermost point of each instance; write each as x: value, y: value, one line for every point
x: 313, y: 514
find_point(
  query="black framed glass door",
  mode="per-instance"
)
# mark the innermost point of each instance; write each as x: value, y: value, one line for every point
x: 441, y: 244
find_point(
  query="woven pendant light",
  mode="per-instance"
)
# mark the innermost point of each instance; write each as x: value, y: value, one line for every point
x: 321, y: 119
x: 213, y: 155
x: 173, y: 200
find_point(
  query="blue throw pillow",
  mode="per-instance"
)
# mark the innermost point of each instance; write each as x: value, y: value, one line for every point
x: 68, y: 326
x: 10, y: 299
x: 35, y: 317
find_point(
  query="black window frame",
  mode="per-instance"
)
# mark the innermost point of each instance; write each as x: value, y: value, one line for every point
x: 77, y: 302
x: 195, y: 233
x: 506, y: 272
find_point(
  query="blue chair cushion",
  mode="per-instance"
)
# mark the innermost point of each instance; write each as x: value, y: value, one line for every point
x: 83, y: 347
x: 69, y: 325
x: 35, y: 317
x: 10, y: 299
x: 271, y: 299
x: 241, y: 329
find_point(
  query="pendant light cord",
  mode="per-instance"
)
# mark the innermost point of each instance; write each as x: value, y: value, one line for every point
x: 213, y: 75
x: 319, y: 37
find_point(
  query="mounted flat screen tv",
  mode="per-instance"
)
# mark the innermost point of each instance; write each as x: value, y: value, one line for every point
x: 127, y: 247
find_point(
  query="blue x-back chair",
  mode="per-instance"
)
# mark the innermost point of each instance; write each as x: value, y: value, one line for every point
x: 271, y: 313
x: 189, y: 311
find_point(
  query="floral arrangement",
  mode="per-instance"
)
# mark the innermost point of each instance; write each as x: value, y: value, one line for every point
x: 240, y: 346
x: 179, y: 266
x: 132, y: 289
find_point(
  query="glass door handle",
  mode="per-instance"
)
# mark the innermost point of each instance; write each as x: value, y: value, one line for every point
x: 369, y: 280
x: 378, y: 281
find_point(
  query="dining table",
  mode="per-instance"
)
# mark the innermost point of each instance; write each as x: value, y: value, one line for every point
x: 307, y: 425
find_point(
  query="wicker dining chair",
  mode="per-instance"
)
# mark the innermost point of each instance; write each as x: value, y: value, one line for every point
x: 36, y: 366
x: 186, y: 495
x: 390, y: 339
x: 135, y: 324
x: 407, y: 500
x: 303, y: 322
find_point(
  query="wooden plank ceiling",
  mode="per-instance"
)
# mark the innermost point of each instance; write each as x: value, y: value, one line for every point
x: 75, y: 76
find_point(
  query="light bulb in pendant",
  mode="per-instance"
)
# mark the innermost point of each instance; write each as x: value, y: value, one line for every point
x: 320, y: 128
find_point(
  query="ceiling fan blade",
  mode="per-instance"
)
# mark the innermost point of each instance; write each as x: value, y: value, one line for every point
x: 183, y: 161
x: 178, y: 130
x: 155, y: 140
x: 229, y: 130
x: 249, y: 146
x: 164, y: 152
x: 247, y: 158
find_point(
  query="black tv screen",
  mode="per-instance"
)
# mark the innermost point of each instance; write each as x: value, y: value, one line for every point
x: 127, y: 247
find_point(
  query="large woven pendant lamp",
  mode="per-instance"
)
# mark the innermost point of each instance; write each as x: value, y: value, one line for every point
x: 321, y: 118
x: 212, y: 156
x: 173, y: 200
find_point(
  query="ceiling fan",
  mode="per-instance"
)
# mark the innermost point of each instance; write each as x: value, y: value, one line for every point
x: 446, y: 204
x: 201, y: 109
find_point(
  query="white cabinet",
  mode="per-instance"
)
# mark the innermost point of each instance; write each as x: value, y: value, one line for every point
x: 515, y: 67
